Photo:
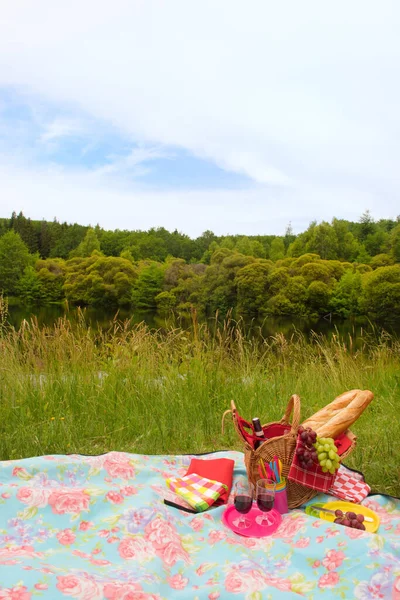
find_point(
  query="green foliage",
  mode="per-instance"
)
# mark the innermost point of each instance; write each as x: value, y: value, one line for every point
x: 29, y: 286
x: 148, y: 285
x: 169, y: 271
x: 381, y: 293
x: 277, y: 250
x: 252, y: 284
x: 165, y: 301
x: 381, y: 260
x: 14, y: 259
x: 345, y: 300
x: 318, y: 297
x: 323, y: 241
x: 395, y: 243
x: 51, y: 273
x: 99, y: 280
x: 88, y: 245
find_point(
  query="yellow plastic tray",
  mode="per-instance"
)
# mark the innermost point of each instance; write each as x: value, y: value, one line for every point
x: 359, y: 509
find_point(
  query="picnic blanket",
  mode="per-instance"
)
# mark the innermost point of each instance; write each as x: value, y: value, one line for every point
x: 96, y: 527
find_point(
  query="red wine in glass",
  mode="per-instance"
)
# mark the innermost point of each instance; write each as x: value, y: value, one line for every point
x: 265, y: 502
x: 265, y: 499
x: 243, y: 502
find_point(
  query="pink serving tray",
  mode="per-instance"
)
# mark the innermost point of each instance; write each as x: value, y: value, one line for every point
x: 255, y: 530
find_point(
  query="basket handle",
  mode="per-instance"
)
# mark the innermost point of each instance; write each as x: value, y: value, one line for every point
x: 293, y: 405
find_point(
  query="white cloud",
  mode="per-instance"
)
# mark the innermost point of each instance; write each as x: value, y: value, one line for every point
x: 60, y: 128
x: 300, y: 95
x: 90, y: 197
x: 133, y: 162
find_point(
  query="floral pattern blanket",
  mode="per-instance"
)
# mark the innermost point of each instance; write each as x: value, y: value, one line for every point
x: 96, y: 527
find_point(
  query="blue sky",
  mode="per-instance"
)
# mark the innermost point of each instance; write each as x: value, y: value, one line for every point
x: 223, y: 116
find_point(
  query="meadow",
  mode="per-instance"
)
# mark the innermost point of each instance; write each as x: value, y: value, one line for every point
x: 77, y: 389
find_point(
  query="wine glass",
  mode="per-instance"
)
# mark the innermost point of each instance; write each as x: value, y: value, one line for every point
x: 265, y: 494
x: 243, y: 502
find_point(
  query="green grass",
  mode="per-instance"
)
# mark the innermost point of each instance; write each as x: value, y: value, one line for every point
x: 73, y: 389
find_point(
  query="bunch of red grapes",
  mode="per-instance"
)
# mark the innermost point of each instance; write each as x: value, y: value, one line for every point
x: 306, y: 452
x: 350, y: 519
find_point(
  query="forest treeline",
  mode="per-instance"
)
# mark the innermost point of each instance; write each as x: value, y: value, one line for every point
x: 343, y: 267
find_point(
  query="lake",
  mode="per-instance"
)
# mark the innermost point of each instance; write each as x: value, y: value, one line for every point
x: 270, y: 326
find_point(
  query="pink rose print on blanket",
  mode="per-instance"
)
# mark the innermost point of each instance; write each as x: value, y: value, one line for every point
x: 333, y: 560
x: 355, y: 533
x: 197, y: 523
x: 69, y: 501
x: 81, y: 587
x: 240, y: 581
x: 21, y: 473
x: 166, y: 542
x: 396, y: 589
x: 15, y: 593
x: 16, y: 551
x: 384, y: 516
x: 379, y: 586
x: 66, y: 537
x: 121, y: 591
x: 117, y: 465
x: 328, y: 580
x: 216, y: 536
x: 115, y: 497
x: 177, y: 581
x: 33, y: 496
x: 290, y: 526
x: 135, y: 548
x: 302, y: 543
x: 127, y: 591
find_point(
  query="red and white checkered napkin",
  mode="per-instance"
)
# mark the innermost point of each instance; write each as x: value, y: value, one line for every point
x: 349, y: 486
x: 313, y: 478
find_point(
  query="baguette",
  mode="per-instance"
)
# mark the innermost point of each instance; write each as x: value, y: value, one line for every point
x: 330, y: 410
x: 346, y: 417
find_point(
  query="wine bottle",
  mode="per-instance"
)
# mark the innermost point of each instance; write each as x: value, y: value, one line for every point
x: 258, y: 430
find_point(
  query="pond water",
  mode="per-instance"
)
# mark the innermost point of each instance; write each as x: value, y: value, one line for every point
x: 270, y: 326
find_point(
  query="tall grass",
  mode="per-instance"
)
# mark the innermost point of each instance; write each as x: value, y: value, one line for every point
x: 76, y: 389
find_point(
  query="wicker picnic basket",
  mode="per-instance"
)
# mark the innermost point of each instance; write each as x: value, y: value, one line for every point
x: 281, y: 442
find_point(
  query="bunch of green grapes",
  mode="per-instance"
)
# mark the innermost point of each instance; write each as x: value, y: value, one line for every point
x: 328, y: 457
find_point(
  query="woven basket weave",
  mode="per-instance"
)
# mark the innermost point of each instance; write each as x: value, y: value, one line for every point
x: 281, y: 442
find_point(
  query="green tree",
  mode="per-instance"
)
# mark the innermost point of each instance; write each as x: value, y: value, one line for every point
x: 318, y: 297
x: 347, y: 245
x: 219, y: 290
x: 395, y: 243
x: 252, y: 287
x: 367, y: 226
x: 323, y: 241
x: 51, y: 273
x: 29, y: 286
x: 381, y: 293
x: 88, y: 245
x: 381, y: 260
x: 345, y: 300
x: 277, y: 249
x: 14, y: 259
x: 99, y: 280
x: 148, y: 285
x: 289, y: 236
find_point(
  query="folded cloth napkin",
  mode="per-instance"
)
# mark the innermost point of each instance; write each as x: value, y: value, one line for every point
x: 349, y: 486
x: 217, y: 469
x: 198, y: 491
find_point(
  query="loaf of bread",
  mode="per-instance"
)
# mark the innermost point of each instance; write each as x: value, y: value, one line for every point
x: 346, y: 416
x: 330, y: 410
